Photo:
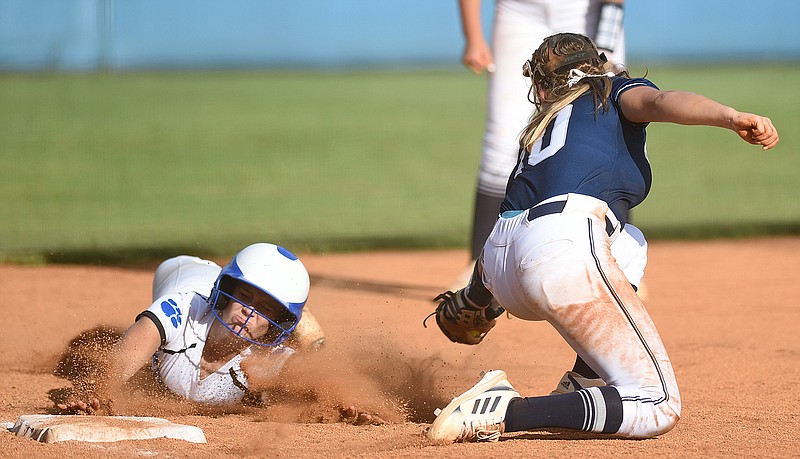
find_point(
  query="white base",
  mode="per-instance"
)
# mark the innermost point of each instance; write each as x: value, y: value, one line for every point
x: 48, y: 428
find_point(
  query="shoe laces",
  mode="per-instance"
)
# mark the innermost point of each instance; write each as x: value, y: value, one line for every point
x: 482, y: 430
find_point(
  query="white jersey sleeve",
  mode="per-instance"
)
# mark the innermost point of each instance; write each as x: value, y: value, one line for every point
x: 170, y: 314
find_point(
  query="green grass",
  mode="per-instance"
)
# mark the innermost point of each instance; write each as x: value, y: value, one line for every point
x: 707, y: 182
x: 114, y: 167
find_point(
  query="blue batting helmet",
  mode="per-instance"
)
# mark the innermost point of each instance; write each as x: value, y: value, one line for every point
x: 273, y: 270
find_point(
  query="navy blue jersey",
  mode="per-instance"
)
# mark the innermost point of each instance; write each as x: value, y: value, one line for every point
x: 594, y: 153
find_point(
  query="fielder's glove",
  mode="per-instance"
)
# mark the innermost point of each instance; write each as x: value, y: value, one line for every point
x: 461, y: 320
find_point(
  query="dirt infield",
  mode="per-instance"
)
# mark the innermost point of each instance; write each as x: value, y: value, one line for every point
x: 728, y: 312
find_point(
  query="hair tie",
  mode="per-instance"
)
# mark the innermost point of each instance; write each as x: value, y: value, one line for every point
x: 575, y: 76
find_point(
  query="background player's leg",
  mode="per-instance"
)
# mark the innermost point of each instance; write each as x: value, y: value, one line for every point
x: 487, y: 208
x: 517, y: 28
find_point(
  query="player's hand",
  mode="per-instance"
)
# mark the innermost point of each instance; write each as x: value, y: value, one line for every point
x: 478, y: 57
x: 755, y: 129
x: 360, y: 418
x: 92, y: 407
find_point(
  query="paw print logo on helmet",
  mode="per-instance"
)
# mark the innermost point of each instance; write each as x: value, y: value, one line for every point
x: 274, y: 271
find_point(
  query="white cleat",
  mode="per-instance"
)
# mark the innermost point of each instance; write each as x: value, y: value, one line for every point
x: 476, y: 415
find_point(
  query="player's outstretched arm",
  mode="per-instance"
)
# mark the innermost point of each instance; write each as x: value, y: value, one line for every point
x: 133, y: 351
x: 645, y: 104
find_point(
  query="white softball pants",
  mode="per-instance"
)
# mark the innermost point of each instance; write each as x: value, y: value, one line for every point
x: 519, y: 28
x: 559, y: 268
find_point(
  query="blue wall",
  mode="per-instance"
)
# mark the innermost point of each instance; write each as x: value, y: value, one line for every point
x: 131, y: 34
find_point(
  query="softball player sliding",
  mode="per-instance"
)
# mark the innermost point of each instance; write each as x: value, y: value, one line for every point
x: 582, y: 166
x: 206, y: 323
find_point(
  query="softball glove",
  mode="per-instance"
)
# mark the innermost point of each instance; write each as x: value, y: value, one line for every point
x: 461, y: 320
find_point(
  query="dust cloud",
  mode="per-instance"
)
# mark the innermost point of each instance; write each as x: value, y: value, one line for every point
x: 359, y: 380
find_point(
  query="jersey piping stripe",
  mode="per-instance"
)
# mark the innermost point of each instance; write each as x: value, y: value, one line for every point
x: 624, y: 310
x: 626, y: 87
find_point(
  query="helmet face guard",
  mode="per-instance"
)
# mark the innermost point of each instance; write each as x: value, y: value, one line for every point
x: 279, y: 276
x: 282, y: 321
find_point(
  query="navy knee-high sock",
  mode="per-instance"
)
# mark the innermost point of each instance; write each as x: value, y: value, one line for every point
x: 582, y: 410
x: 485, y: 213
